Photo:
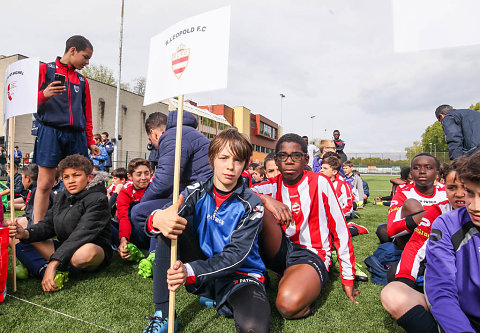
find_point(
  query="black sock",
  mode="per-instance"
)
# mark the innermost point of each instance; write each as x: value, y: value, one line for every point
x: 160, y: 266
x: 417, y: 319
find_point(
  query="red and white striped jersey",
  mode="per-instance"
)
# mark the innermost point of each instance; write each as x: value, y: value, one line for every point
x: 396, y: 225
x: 414, y: 252
x: 318, y: 216
x: 344, y: 193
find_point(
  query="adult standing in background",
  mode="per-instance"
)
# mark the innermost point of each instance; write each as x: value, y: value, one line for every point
x: 339, y: 145
x: 109, y: 148
x: 461, y: 128
x: 17, y: 156
x: 312, y: 151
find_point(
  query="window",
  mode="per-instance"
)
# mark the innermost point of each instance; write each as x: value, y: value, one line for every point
x: 267, y: 130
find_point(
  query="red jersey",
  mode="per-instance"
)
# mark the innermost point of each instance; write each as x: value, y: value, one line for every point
x: 396, y: 225
x: 125, y: 199
x: 414, y: 252
x: 344, y: 193
x: 318, y: 217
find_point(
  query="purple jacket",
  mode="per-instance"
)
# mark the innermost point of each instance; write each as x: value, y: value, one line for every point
x: 452, y: 276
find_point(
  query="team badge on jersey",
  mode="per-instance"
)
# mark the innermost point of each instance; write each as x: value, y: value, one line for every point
x: 76, y: 88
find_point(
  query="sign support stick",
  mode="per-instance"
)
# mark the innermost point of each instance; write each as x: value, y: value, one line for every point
x: 11, y: 141
x: 176, y: 193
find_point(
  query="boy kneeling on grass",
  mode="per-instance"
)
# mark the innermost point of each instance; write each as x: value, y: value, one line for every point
x: 218, y: 243
x: 79, y: 218
x: 130, y: 234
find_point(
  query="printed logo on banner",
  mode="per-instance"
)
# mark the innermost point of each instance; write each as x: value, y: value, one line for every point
x: 180, y: 60
x: 11, y: 89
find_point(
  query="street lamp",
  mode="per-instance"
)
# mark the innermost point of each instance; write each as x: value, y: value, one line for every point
x: 282, y: 96
x: 312, y: 118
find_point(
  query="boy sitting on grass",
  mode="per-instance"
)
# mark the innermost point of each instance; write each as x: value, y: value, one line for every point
x: 218, y: 245
x: 258, y: 174
x: 404, y: 298
x: 330, y: 168
x: 452, y: 276
x: 131, y: 234
x: 19, y: 192
x: 303, y: 221
x: 79, y: 218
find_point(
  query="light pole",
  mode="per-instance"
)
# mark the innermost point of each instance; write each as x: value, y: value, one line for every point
x: 431, y: 148
x: 117, y: 108
x: 435, y: 149
x: 325, y: 134
x: 312, y: 118
x: 282, y: 96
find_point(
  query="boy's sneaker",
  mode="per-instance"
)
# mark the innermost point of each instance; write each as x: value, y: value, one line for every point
x: 60, y: 279
x: 135, y: 253
x: 361, y: 229
x: 359, y: 274
x: 158, y: 324
x: 22, y: 271
x: 145, y: 266
x: 208, y: 302
x: 377, y: 201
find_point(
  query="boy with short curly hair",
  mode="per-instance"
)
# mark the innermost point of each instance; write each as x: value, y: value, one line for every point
x: 79, y: 218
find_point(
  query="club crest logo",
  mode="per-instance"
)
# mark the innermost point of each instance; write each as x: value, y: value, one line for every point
x: 76, y: 88
x: 180, y: 60
x: 296, y: 208
x: 11, y: 90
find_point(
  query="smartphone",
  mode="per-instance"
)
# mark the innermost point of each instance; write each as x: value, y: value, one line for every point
x: 61, y: 78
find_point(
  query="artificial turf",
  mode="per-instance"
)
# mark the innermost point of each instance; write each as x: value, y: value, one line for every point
x: 117, y: 299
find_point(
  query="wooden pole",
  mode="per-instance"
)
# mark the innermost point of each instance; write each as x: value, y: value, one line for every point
x: 176, y: 194
x: 11, y: 139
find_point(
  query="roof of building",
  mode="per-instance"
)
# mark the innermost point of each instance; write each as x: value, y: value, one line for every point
x: 200, y: 112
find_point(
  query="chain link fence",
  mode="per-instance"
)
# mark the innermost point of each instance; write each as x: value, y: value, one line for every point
x: 387, y: 163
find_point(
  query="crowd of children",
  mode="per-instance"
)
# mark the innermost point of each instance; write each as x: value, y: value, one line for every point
x: 235, y: 220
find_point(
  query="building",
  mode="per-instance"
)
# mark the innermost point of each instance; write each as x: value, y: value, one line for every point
x: 262, y: 132
x: 133, y: 142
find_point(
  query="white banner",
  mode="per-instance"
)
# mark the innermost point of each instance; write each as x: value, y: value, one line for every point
x: 20, y: 89
x: 433, y: 24
x: 190, y: 56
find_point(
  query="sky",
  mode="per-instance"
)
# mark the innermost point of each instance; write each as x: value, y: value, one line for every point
x: 334, y: 60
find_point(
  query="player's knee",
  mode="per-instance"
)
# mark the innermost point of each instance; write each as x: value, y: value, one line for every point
x: 382, y: 233
x: 411, y: 206
x: 288, y: 304
x: 83, y: 259
x: 253, y: 325
x: 393, y: 299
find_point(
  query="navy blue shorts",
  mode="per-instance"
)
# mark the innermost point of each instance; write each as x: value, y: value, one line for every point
x: 291, y: 254
x: 52, y: 145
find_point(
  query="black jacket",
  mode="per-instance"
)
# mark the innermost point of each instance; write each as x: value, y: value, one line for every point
x: 462, y: 132
x: 76, y: 220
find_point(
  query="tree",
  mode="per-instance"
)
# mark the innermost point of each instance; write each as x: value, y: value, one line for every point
x: 100, y: 73
x: 413, y: 150
x: 139, y: 84
x: 475, y: 107
x: 434, y: 134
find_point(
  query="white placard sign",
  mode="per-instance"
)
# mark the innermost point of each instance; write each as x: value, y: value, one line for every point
x: 20, y: 88
x: 190, y: 56
x: 433, y: 24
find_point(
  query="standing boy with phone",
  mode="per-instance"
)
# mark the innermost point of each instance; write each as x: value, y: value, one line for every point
x: 64, y: 116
